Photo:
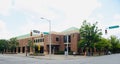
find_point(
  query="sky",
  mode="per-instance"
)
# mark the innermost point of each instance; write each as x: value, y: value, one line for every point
x: 18, y: 17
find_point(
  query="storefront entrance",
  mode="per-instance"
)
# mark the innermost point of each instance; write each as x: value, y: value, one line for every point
x: 39, y: 51
x: 54, y: 48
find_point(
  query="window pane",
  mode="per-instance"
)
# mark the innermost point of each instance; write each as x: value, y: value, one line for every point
x: 43, y: 39
x: 65, y: 39
x: 57, y: 39
x: 69, y: 38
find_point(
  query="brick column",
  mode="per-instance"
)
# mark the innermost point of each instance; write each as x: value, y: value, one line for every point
x: 31, y: 51
x: 45, y: 49
x: 21, y: 50
x: 16, y: 49
x: 26, y: 49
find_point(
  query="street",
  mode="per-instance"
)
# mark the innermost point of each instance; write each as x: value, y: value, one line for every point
x: 108, y: 59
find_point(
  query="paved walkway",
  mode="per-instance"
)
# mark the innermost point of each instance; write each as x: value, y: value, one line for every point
x: 52, y: 57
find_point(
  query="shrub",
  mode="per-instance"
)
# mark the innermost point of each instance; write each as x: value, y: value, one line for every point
x: 59, y: 52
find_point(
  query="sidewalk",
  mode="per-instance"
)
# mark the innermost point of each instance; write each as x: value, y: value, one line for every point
x: 52, y: 57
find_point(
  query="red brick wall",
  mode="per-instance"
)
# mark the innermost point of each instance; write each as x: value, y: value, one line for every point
x: 62, y: 46
x: 74, y: 41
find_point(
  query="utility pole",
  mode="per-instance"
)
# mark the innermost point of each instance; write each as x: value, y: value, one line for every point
x: 67, y: 43
x: 49, y: 35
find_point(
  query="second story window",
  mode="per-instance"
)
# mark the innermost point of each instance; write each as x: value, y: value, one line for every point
x: 57, y: 39
x: 34, y: 41
x: 67, y: 37
x: 39, y: 40
x: 42, y: 39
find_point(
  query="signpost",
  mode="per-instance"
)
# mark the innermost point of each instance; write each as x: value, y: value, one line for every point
x: 36, y: 31
x: 111, y: 27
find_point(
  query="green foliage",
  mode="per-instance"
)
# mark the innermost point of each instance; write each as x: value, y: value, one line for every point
x: 90, y: 34
x: 91, y: 37
x: 59, y: 52
x: 30, y: 43
x: 8, y: 44
x: 38, y: 54
x: 81, y: 44
x: 115, y: 44
x: 103, y: 44
x: 13, y: 43
x: 3, y: 45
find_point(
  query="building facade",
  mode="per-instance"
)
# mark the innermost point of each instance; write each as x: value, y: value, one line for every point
x: 59, y: 41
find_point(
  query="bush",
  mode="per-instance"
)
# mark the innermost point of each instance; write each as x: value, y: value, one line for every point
x: 62, y: 53
x: 71, y: 53
x: 59, y: 52
x: 37, y: 54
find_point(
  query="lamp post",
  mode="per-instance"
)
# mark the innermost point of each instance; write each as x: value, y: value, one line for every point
x: 49, y: 35
x: 67, y: 43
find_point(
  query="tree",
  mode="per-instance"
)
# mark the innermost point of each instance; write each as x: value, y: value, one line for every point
x: 3, y: 45
x: 115, y: 44
x: 103, y: 45
x: 13, y: 44
x: 90, y: 34
x: 30, y: 43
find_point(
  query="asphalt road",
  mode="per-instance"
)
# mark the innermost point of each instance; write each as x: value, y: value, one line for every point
x: 108, y: 59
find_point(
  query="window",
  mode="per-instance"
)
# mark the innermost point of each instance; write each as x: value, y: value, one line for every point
x: 34, y: 40
x: 57, y: 39
x: 39, y: 40
x: 69, y: 38
x: 43, y: 39
x: 65, y: 39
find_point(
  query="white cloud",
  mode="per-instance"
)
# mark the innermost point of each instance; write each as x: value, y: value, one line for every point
x: 31, y: 25
x: 117, y: 16
x: 115, y: 31
x: 116, y: 19
x: 2, y: 25
x: 4, y: 33
x: 72, y: 9
x: 62, y: 13
x: 5, y: 6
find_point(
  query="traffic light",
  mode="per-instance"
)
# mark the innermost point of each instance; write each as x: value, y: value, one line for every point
x: 30, y: 33
x: 106, y: 31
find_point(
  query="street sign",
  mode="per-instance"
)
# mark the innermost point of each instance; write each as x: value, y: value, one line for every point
x: 112, y: 27
x: 36, y: 31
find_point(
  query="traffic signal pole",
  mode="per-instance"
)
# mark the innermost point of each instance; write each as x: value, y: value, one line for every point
x: 111, y: 27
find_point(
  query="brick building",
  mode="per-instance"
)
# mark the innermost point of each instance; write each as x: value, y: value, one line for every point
x: 58, y: 41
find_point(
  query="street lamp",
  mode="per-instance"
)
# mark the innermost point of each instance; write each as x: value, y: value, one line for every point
x: 67, y: 43
x: 49, y: 35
